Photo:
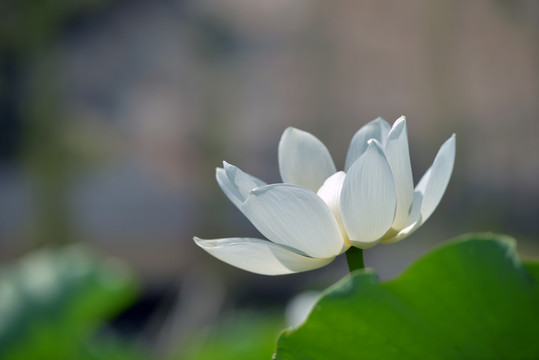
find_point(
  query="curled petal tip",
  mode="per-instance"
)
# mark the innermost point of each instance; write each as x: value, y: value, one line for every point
x: 400, y: 122
x: 398, y: 127
x: 256, y: 191
x: 401, y: 119
x: 374, y: 143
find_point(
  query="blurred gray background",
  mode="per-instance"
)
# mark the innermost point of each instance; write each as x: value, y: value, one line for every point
x: 114, y: 115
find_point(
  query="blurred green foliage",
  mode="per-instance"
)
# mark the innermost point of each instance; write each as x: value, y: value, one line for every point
x: 248, y: 335
x: 470, y: 299
x: 112, y: 348
x: 52, y: 300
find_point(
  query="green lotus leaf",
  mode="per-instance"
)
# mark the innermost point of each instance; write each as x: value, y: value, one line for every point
x: 472, y: 298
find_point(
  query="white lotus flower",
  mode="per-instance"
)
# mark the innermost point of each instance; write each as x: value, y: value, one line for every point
x: 317, y: 213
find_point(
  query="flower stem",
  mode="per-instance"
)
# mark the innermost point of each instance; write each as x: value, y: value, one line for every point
x: 354, y: 257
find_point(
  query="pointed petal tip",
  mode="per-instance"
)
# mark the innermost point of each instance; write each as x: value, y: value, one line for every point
x: 399, y: 126
x: 451, y: 142
x: 206, y: 243
x: 228, y: 167
x: 374, y: 143
x: 221, y: 168
x: 399, y: 121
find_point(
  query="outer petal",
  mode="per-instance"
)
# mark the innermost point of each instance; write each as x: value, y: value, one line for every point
x: 296, y: 217
x: 304, y: 160
x: 376, y: 129
x: 235, y: 183
x: 398, y: 157
x: 260, y: 256
x: 423, y: 207
x: 368, y: 198
x: 433, y: 184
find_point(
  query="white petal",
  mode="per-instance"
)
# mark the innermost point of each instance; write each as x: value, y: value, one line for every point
x: 414, y: 222
x: 368, y: 198
x: 376, y: 129
x: 304, y: 160
x: 433, y: 184
x: 330, y: 192
x: 259, y: 256
x: 235, y: 183
x: 398, y: 157
x: 443, y: 166
x: 296, y: 217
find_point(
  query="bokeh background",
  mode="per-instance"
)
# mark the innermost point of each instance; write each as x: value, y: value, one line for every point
x: 115, y: 113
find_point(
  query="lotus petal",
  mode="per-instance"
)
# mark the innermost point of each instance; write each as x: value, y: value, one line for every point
x: 304, y: 160
x: 368, y: 198
x: 260, y: 256
x: 296, y: 217
x: 376, y: 129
